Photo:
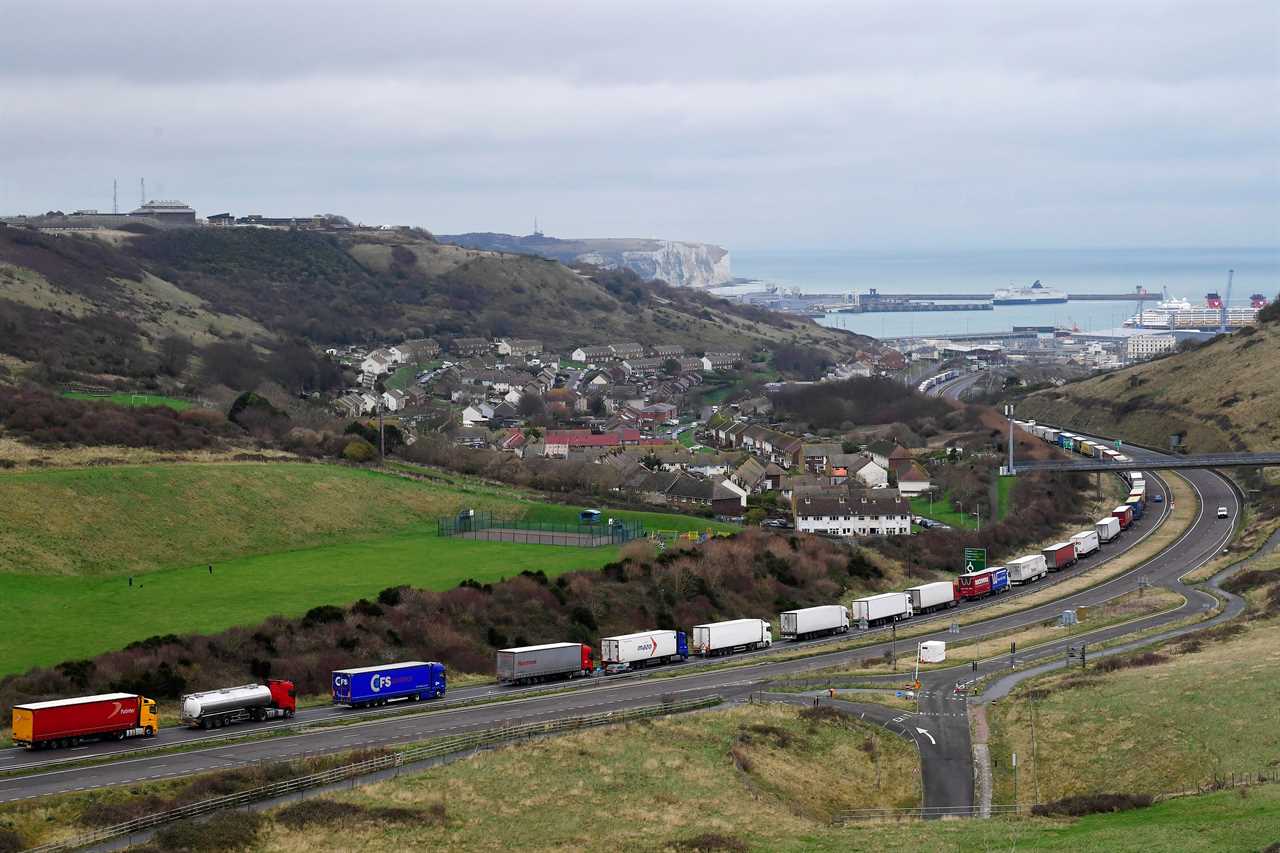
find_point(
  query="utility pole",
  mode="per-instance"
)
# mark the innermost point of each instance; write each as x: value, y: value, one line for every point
x: 893, y: 647
x: 1008, y: 413
x: 1015, y: 783
x: 382, y: 437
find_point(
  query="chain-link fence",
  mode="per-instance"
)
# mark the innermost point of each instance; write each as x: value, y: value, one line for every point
x: 497, y: 528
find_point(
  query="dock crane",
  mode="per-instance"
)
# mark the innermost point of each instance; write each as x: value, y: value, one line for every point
x: 1226, y: 302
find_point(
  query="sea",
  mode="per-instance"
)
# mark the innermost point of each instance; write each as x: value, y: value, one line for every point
x: 1187, y: 273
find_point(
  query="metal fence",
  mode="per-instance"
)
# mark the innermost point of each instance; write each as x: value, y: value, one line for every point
x: 495, y: 528
x: 452, y: 745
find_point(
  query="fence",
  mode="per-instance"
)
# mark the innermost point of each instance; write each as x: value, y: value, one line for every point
x: 495, y: 528
x: 452, y: 745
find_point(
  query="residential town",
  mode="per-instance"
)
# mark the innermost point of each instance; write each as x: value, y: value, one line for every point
x: 637, y: 410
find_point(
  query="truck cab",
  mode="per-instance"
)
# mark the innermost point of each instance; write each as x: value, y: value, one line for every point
x: 148, y: 719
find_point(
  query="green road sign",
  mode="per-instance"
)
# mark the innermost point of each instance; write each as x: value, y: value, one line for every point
x: 975, y: 559
x: 1119, y: 444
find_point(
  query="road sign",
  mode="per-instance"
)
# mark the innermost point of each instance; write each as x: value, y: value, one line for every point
x: 1119, y: 444
x: 975, y: 559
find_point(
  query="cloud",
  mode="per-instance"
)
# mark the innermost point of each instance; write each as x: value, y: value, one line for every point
x: 858, y: 124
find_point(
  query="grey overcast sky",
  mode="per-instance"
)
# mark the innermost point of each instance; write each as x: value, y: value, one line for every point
x: 754, y: 125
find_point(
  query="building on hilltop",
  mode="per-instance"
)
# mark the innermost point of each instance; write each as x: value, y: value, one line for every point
x: 168, y: 212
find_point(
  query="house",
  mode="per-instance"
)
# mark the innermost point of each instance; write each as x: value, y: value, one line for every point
x: 369, y: 401
x: 349, y: 405
x: 397, y: 355
x: 869, y: 474
x: 749, y: 475
x: 622, y: 352
x: 513, y: 442
x: 420, y: 350
x: 519, y: 347
x: 777, y: 447
x: 879, y: 452
x: 643, y: 366
x: 505, y: 415
x: 592, y: 355
x: 665, y: 351
x: 862, y: 513
x: 394, y: 400
x: 476, y: 413
x: 474, y: 436
x: 653, y: 414
x: 560, y: 442
x: 772, y: 477
x: 376, y: 363
x: 912, y: 480
x: 470, y: 346
x: 900, y: 457
x: 818, y: 456
x: 720, y: 360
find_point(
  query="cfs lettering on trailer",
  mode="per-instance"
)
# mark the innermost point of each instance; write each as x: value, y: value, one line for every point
x: 388, y: 682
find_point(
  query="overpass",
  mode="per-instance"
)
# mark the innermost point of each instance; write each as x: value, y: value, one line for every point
x: 1203, y: 460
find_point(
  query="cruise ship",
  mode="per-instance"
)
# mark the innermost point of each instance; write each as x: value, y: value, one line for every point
x: 1181, y: 314
x: 1036, y: 294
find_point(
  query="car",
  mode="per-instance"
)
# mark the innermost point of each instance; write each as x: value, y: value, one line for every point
x: 1157, y: 499
x: 1222, y: 512
x: 615, y: 668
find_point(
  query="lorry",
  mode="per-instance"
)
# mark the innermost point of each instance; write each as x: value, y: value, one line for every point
x: 933, y: 651
x: 1086, y: 543
x: 1107, y: 528
x: 817, y: 621
x: 67, y: 722
x: 645, y: 648
x: 1029, y: 568
x: 724, y: 638
x: 1060, y: 555
x: 1123, y: 514
x: 929, y: 597
x: 1136, y: 506
x: 980, y: 584
x: 213, y: 709
x: 378, y: 685
x: 527, y: 664
x: 882, y: 609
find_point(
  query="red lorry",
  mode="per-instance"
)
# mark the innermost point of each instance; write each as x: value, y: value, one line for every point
x: 1123, y: 514
x: 66, y: 722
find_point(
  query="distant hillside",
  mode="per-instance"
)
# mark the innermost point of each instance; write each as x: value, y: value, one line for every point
x: 1222, y: 396
x: 677, y: 262
x: 75, y: 307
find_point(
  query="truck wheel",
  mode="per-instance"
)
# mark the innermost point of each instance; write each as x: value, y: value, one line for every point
x: 151, y: 732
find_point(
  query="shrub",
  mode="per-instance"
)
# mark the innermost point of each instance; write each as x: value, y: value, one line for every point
x: 11, y: 841
x: 391, y: 596
x: 359, y: 450
x: 321, y: 615
x: 223, y: 831
x: 1092, y: 804
x: 710, y: 842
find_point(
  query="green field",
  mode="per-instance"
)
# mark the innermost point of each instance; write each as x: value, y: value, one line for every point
x: 282, y: 538
x: 943, y: 510
x: 77, y: 617
x: 687, y: 438
x: 1004, y: 496
x: 122, y: 399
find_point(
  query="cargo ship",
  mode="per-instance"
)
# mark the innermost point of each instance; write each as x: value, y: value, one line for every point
x: 1036, y: 294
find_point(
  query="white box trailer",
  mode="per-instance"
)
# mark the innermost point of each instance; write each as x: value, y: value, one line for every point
x: 1107, y: 528
x: 813, y: 621
x: 722, y: 638
x: 933, y: 651
x: 1027, y: 569
x: 928, y: 597
x: 1086, y: 542
x: 883, y: 608
x: 644, y: 648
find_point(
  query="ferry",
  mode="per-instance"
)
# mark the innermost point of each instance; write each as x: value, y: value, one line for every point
x: 1160, y: 316
x: 1036, y: 294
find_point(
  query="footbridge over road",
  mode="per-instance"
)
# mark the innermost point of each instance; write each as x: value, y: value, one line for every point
x: 1204, y: 460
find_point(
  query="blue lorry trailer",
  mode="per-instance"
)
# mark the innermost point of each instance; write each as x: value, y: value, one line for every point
x: 377, y: 685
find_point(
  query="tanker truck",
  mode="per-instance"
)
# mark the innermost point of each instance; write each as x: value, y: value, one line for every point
x: 214, y: 709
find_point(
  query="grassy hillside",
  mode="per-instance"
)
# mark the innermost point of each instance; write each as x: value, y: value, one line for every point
x: 1223, y: 396
x: 1197, y: 709
x: 132, y: 519
x: 79, y: 307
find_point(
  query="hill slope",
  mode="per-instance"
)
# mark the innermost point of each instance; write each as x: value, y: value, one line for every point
x: 1223, y: 396
x: 75, y: 306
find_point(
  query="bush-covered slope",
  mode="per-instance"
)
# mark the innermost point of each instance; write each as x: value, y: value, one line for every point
x: 1222, y: 396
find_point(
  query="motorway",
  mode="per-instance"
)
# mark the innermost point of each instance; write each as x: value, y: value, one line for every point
x: 945, y: 746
